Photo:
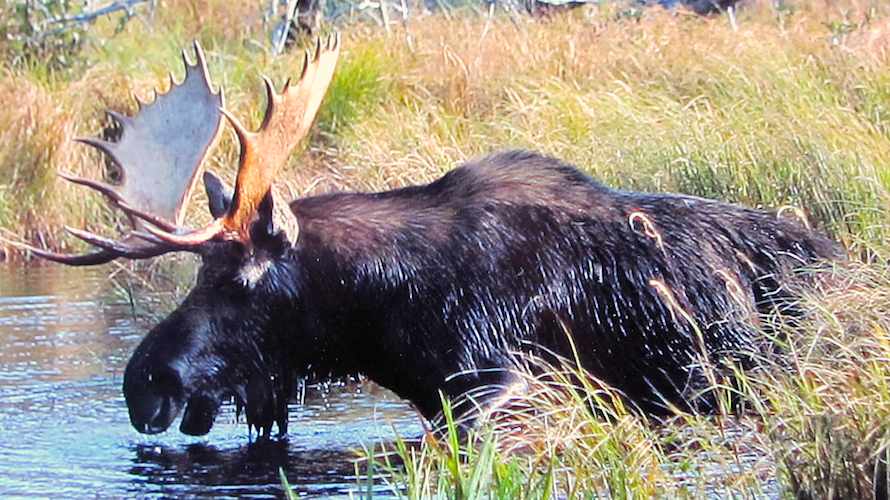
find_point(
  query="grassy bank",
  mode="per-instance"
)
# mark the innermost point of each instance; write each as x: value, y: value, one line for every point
x: 791, y: 109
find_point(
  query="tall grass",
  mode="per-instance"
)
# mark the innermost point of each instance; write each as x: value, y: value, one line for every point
x: 813, y: 424
x: 792, y: 108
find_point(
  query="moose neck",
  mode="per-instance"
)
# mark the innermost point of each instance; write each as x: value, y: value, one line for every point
x: 358, y: 257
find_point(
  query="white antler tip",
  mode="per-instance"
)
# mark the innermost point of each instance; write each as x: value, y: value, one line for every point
x: 199, y: 52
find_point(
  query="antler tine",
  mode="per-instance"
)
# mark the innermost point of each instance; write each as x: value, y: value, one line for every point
x: 244, y: 136
x: 98, y: 241
x: 272, y: 98
x: 187, y: 241
x: 147, y: 217
x: 287, y: 120
x: 109, y: 148
x: 102, y: 256
x: 122, y: 248
x: 89, y: 259
x: 121, y: 119
x: 106, y: 189
x: 109, y: 191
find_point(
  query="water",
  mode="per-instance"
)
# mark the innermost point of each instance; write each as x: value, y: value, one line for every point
x: 65, y: 338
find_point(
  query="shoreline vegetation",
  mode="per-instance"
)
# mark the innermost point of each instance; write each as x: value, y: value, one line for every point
x: 785, y: 108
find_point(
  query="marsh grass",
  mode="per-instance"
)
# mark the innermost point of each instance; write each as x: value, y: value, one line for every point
x: 792, y: 109
x: 813, y: 423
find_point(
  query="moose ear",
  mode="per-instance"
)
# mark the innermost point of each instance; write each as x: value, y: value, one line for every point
x: 219, y: 195
x: 275, y: 223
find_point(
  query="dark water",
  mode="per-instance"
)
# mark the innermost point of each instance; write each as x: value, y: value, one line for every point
x: 65, y: 338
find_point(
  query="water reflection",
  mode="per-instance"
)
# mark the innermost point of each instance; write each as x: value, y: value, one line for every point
x: 64, y: 430
x: 250, y: 469
x: 50, y: 321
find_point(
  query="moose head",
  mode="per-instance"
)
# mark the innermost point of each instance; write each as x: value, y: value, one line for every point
x: 216, y: 344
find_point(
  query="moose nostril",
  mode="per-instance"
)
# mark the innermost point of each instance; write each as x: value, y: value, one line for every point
x: 155, y: 394
x: 164, y: 381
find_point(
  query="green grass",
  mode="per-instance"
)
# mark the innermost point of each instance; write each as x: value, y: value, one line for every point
x: 790, y: 110
x: 780, y: 113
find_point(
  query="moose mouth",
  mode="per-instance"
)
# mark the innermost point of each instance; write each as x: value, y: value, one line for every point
x: 197, y: 419
x: 156, y: 396
x: 200, y: 413
x: 154, y: 415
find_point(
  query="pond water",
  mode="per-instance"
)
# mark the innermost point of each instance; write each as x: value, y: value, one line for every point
x: 65, y: 338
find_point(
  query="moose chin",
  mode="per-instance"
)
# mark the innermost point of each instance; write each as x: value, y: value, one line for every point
x: 428, y: 290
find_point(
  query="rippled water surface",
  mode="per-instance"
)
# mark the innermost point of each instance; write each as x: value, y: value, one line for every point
x: 65, y: 338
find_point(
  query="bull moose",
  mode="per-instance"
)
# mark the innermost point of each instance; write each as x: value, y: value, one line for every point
x: 428, y: 289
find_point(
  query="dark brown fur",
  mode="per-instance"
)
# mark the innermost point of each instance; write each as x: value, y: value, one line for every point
x: 433, y: 289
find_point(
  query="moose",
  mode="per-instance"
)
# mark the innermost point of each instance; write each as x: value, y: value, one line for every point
x: 428, y: 290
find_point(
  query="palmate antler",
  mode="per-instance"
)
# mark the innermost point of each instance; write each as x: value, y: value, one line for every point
x: 163, y: 147
x: 159, y: 154
x: 288, y: 118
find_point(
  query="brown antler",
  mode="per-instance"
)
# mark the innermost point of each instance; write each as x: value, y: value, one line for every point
x: 160, y: 152
x: 288, y: 118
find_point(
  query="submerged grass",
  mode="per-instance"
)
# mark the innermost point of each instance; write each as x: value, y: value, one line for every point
x: 790, y: 108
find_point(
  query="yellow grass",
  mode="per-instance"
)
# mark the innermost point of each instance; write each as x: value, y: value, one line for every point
x: 791, y: 111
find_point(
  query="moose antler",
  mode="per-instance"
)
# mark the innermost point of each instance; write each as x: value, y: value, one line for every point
x: 159, y: 153
x: 288, y: 118
x: 162, y: 148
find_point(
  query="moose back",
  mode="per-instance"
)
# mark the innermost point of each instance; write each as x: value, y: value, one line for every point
x: 430, y: 289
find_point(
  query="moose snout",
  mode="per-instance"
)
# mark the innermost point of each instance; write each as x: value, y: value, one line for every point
x: 154, y: 396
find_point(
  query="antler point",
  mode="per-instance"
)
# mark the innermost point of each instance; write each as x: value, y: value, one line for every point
x: 305, y: 64
x: 243, y: 133
x: 104, y: 146
x: 101, y: 187
x: 185, y: 59
x: 66, y: 175
x: 271, y: 93
x: 120, y: 118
